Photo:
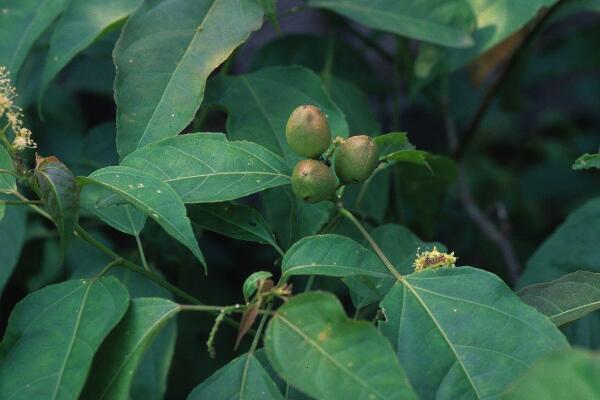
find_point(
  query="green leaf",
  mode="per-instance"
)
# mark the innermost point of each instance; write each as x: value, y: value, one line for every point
x: 587, y: 161
x: 392, y: 142
x: 496, y: 20
x: 447, y: 23
x: 52, y: 336
x: 7, y: 181
x: 565, y: 299
x: 98, y: 149
x: 331, y: 255
x: 21, y: 24
x: 80, y: 26
x: 571, y: 374
x: 311, y: 343
x: 417, y: 157
x: 234, y: 220
x: 121, y: 353
x: 12, y: 238
x: 242, y: 378
x: 461, y: 332
x: 124, y: 218
x: 153, y: 197
x: 60, y: 195
x: 206, y: 168
x: 259, y: 104
x: 251, y: 283
x: 355, y: 106
x: 160, y: 82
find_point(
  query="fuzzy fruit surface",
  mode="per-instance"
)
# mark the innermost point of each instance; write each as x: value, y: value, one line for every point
x: 307, y: 131
x: 356, y: 159
x: 313, y: 181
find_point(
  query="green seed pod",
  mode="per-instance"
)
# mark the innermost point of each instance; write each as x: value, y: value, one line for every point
x: 307, y: 131
x: 313, y: 181
x: 356, y: 158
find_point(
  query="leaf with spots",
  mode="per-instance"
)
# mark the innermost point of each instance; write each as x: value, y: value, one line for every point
x: 311, y: 343
x: 52, y: 336
x: 151, y: 196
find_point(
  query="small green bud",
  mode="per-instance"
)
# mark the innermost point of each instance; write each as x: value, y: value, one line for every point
x: 307, y: 131
x: 356, y: 158
x: 313, y: 181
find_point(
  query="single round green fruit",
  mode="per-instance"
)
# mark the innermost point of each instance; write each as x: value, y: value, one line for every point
x: 307, y: 131
x: 313, y: 181
x: 356, y: 158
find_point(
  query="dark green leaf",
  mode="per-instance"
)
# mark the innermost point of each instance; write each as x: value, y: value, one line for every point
x: 462, y: 333
x: 251, y: 283
x: 52, y: 336
x: 160, y: 82
x: 121, y: 353
x: 311, y: 343
x: 569, y: 374
x: 565, y: 299
x: 206, y: 168
x: 150, y: 195
x: 417, y: 157
x: 82, y: 23
x: 587, y: 161
x: 355, y: 106
x: 21, y: 23
x: 12, y: 237
x: 447, y: 23
x: 60, y: 195
x: 242, y: 378
x: 234, y: 220
x: 8, y: 182
x: 392, y: 142
x: 260, y: 103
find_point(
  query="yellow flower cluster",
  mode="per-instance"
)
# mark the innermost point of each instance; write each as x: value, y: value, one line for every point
x: 433, y: 259
x: 13, y: 114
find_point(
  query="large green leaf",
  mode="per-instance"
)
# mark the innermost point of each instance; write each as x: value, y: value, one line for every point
x: 587, y: 161
x: 21, y: 23
x: 52, y: 336
x: 7, y: 181
x: 571, y: 374
x: 447, y: 23
x: 166, y: 51
x: 150, y: 195
x: 462, y: 333
x: 331, y: 255
x: 311, y: 343
x: 495, y: 21
x: 121, y: 353
x: 234, y: 220
x: 206, y: 168
x: 565, y: 299
x: 82, y: 23
x: 242, y: 378
x: 12, y: 237
x: 259, y: 104
x: 60, y: 195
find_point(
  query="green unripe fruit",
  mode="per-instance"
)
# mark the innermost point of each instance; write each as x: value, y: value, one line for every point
x: 356, y: 158
x: 307, y: 131
x: 313, y: 181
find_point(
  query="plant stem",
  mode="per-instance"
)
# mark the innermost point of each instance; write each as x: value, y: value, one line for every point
x: 199, y: 307
x: 20, y: 202
x: 34, y: 207
x: 141, y: 251
x: 309, y: 283
x: 348, y: 215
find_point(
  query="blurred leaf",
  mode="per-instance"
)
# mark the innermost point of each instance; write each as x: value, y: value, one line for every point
x: 120, y: 355
x: 64, y: 323
x: 60, y: 195
x: 565, y: 299
x: 568, y: 374
x: 311, y: 343
x: 259, y: 104
x: 270, y: 9
x: 21, y: 24
x: 12, y: 237
x: 151, y: 196
x: 242, y: 378
x: 467, y: 329
x: 206, y: 168
x: 160, y: 82
x: 587, y: 161
x: 7, y: 181
x: 82, y: 23
x: 50, y: 268
x: 355, y: 106
x: 234, y: 220
x: 98, y: 150
x: 447, y: 23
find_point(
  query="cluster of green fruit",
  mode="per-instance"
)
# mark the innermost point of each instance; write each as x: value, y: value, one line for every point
x: 308, y: 134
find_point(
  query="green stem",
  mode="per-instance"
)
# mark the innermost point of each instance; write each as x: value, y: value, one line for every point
x: 348, y: 215
x: 254, y: 344
x: 309, y: 283
x: 198, y: 307
x: 20, y: 202
x: 141, y: 251
x: 34, y: 207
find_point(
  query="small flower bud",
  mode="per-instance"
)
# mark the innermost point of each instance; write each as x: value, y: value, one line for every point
x: 307, y: 131
x: 433, y: 259
x: 356, y: 158
x: 313, y: 181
